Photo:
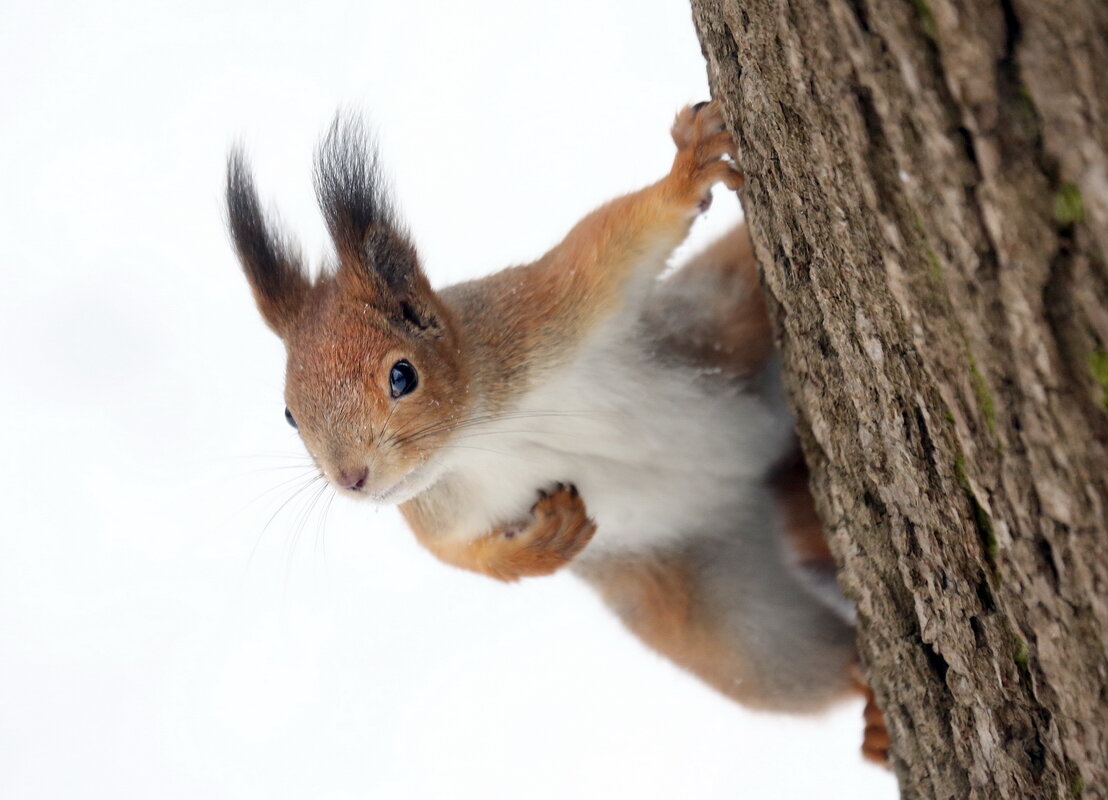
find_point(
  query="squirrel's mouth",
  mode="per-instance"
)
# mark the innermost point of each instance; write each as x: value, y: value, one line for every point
x: 417, y: 480
x: 386, y: 496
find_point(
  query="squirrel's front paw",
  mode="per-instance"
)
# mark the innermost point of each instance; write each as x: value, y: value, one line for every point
x: 702, y: 142
x: 558, y: 530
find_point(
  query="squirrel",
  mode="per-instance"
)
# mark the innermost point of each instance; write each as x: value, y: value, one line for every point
x: 582, y: 411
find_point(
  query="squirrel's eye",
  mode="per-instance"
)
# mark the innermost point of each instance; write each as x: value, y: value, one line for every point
x: 402, y: 378
x: 289, y: 418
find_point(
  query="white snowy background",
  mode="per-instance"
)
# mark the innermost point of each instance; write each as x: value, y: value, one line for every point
x: 169, y: 626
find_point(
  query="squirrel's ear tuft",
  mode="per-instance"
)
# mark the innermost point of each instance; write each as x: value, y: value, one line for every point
x: 373, y: 247
x: 271, y: 263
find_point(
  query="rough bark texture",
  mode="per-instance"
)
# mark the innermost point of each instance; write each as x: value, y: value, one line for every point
x: 928, y: 195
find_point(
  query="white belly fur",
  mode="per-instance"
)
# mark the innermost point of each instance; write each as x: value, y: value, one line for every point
x: 657, y: 451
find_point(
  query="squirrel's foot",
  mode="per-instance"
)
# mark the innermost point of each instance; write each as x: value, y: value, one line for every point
x: 559, y: 529
x: 702, y: 142
x: 875, y: 739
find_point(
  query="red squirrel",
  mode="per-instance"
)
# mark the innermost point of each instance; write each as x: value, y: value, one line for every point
x: 580, y: 411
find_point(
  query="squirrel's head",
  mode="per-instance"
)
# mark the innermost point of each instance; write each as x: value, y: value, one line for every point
x: 375, y: 381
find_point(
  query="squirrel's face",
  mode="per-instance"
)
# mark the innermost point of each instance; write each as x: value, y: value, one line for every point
x: 376, y: 384
x: 375, y: 399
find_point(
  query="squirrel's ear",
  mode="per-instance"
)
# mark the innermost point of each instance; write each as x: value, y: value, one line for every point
x: 375, y: 251
x: 271, y: 263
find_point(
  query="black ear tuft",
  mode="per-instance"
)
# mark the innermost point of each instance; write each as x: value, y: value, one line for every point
x: 354, y: 197
x: 350, y: 185
x: 271, y: 264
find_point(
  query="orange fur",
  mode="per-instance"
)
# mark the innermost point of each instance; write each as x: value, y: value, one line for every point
x: 341, y: 355
x: 557, y: 531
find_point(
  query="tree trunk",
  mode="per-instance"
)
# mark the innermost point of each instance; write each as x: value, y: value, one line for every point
x: 927, y: 188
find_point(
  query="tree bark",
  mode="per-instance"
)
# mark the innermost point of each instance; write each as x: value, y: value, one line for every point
x: 927, y: 189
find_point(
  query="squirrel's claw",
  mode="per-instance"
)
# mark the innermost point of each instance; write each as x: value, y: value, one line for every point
x: 703, y: 142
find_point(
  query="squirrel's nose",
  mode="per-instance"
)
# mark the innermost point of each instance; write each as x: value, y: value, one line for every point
x: 354, y: 479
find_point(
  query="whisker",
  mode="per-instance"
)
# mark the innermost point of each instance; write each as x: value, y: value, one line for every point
x: 288, y: 466
x: 516, y: 432
x: 301, y: 521
x: 379, y: 446
x: 388, y: 419
x: 449, y: 426
x: 260, y: 456
x: 280, y: 485
x: 265, y: 528
x: 321, y: 528
x: 504, y: 453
